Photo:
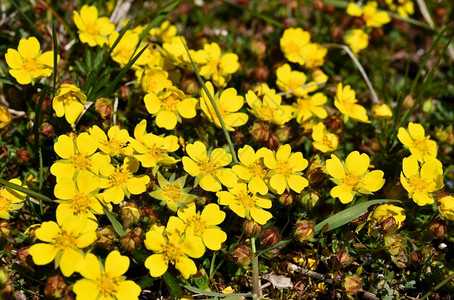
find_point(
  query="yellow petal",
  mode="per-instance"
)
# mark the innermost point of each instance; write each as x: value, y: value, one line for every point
x: 213, y: 238
x: 13, y: 59
x: 72, y: 111
x: 297, y: 183
x: 114, y: 194
x: 410, y: 166
x: 166, y: 119
x: 116, y: 264
x: 259, y: 215
x: 209, y: 184
x: 343, y: 192
x: 190, y: 166
x: 279, y: 183
x: 230, y: 101
x: 64, y: 147
x: 334, y: 167
x: 212, y: 215
x: 48, y: 231
x: 186, y: 108
x: 197, y: 151
x: 127, y: 290
x: 416, y: 131
x: 373, y: 181
x: 71, y: 261
x: 283, y: 152
x: 154, y: 240
x: 193, y: 246
x: 186, y: 267
x: 65, y: 189
x: 247, y: 155
x: 29, y: 48
x: 43, y: 254
x: 91, y: 268
x: 137, y: 185
x: 356, y: 163
x: 152, y: 103
x: 86, y: 289
x: 157, y: 264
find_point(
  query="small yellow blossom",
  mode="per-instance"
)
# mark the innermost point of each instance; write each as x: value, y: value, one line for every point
x: 385, y: 211
x: 252, y: 168
x: 116, y: 142
x: 5, y: 117
x: 345, y: 102
x: 245, y: 203
x: 405, y: 8
x: 152, y: 150
x: 126, y: 48
x: 175, y: 51
x: 106, y: 282
x: 10, y: 200
x: 293, y: 81
x: 228, y: 290
x: 63, y: 242
x: 217, y: 66
x: 173, y: 248
x: 382, y: 111
x: 208, y: 169
x: 310, y: 106
x: 446, y: 207
x: 323, y: 141
x: 78, y: 157
x: 155, y: 80
x: 202, y: 224
x: 356, y: 39
x: 165, y: 33
x: 413, y: 138
x: 421, y: 181
x: 266, y: 105
x: 169, y: 106
x: 69, y: 102
x: 27, y: 63
x: 353, y: 177
x: 172, y: 193
x: 292, y: 44
x: 369, y: 13
x: 119, y: 181
x: 228, y: 103
x: 285, y: 169
x: 314, y: 55
x: 92, y: 30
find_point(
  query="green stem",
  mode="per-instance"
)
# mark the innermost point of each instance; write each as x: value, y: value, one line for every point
x: 213, y: 259
x: 26, y: 191
x: 255, y: 272
x: 445, y: 281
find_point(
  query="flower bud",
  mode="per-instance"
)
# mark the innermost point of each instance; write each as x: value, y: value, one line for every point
x: 284, y: 133
x: 5, y: 228
x: 189, y: 86
x: 318, y: 4
x: 239, y: 138
x: 105, y: 237
x: 438, y: 229
x: 260, y: 131
x: 316, y: 177
x: 132, y: 239
x: 261, y: 73
x: 23, y: 155
x: 416, y: 257
x: 56, y: 287
x: 242, y: 255
x: 352, y: 284
x: 310, y: 198
x: 394, y: 243
x: 287, y: 198
x: 273, y: 142
x: 103, y: 107
x: 270, y: 237
x: 304, y: 230
x: 258, y: 48
x: 47, y: 130
x: 130, y: 214
x: 5, y: 117
x: 24, y: 256
x: 251, y: 227
x: 149, y: 216
x: 343, y: 257
x: 389, y: 225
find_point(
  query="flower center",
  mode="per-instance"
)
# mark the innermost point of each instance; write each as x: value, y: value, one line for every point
x: 92, y: 29
x: 266, y: 113
x: 246, y: 200
x: 119, y: 177
x: 353, y: 181
x: 80, y: 161
x: 292, y: 48
x: 327, y: 142
x: 172, y: 192
x: 198, y: 225
x: 31, y: 65
x: 172, y: 252
x: 107, y: 286
x: 304, y: 105
x: 258, y: 169
x: 170, y: 103
x: 421, y: 145
x: 115, y: 145
x: 284, y: 168
x: 80, y: 203
x: 156, y: 152
x: 65, y: 241
x: 418, y: 184
x: 69, y: 97
x: 208, y: 168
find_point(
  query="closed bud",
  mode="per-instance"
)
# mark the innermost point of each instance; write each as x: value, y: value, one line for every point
x: 242, y: 255
x: 55, y: 287
x: 310, y: 198
x: 287, y: 198
x: 105, y: 237
x: 5, y: 228
x: 132, y: 239
x: 416, y: 257
x: 352, y: 284
x: 389, y: 225
x: 130, y: 214
x: 47, y: 130
x: 260, y: 131
x: 284, y: 133
x: 189, y: 86
x: 258, y: 48
x: 239, y: 138
x: 408, y: 102
x: 261, y: 73
x: 394, y: 243
x: 251, y: 227
x: 318, y: 4
x: 270, y: 237
x: 377, y: 33
x: 23, y: 155
x: 24, y: 256
x: 103, y: 107
x: 273, y: 142
x: 304, y: 230
x: 149, y: 215
x: 343, y: 257
x: 438, y: 229
x: 316, y: 177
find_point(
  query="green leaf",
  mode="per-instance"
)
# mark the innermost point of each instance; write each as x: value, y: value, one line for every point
x: 172, y: 285
x: 26, y: 191
x: 146, y: 282
x: 212, y: 294
x: 116, y: 225
x: 349, y: 214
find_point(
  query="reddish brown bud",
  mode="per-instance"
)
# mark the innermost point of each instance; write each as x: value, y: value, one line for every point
x: 438, y: 229
x: 56, y: 287
x: 105, y: 237
x: 287, y: 198
x: 125, y: 92
x: 130, y: 214
x: 103, y: 107
x: 242, y: 255
x: 23, y: 155
x: 318, y: 4
x: 5, y: 228
x: 329, y: 9
x: 338, y: 33
x: 258, y: 48
x: 284, y: 133
x: 261, y: 73
x: 389, y: 225
x: 316, y: 177
x: 377, y: 34
x: 132, y: 239
x: 24, y: 256
x: 408, y: 102
x: 304, y: 230
x: 416, y: 257
x: 273, y: 142
x: 270, y: 237
x: 342, y: 257
x: 47, y: 130
x: 334, y: 124
x: 260, y: 131
x: 310, y: 198
x: 251, y: 227
x: 239, y: 138
x: 189, y: 86
x: 149, y: 215
x: 352, y: 284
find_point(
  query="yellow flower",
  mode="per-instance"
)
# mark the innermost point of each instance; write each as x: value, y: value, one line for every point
x: 10, y: 200
x: 106, y: 282
x: 421, y: 181
x: 266, y: 105
x: 208, y: 169
x: 292, y: 44
x: 217, y: 66
x: 126, y: 48
x: 78, y: 157
x: 446, y: 207
x: 385, y: 211
x: 175, y: 50
x: 314, y: 55
x: 292, y: 81
x: 252, y: 168
x: 5, y: 117
x: 353, y: 177
x: 173, y: 248
x: 152, y: 150
x: 119, y: 181
x: 172, y: 193
x: 310, y: 106
x: 92, y: 30
x: 165, y: 33
x: 345, y: 102
x: 382, y: 111
x: 413, y: 138
x: 169, y: 106
x: 78, y: 198
x: 245, y: 203
x: 228, y: 103
x: 27, y: 63
x: 116, y: 142
x: 69, y: 102
x: 64, y: 242
x: 405, y: 8
x: 323, y: 141
x: 155, y: 80
x: 369, y: 14
x: 356, y: 39
x: 285, y: 169
x: 200, y: 224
